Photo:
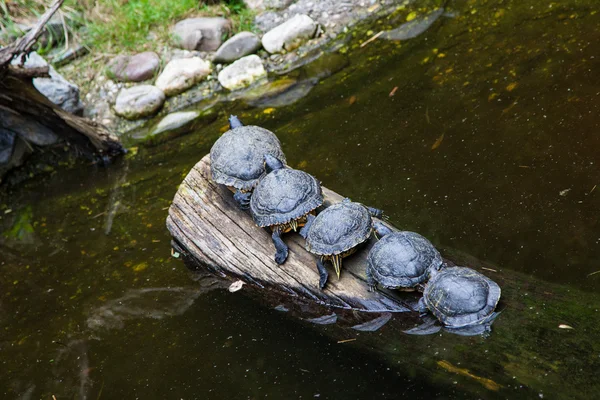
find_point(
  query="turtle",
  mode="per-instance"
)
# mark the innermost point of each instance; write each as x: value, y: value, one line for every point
x: 237, y: 158
x: 282, y: 200
x: 401, y: 260
x: 337, y: 231
x: 462, y: 299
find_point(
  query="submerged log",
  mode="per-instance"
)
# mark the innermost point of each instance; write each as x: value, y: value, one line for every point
x: 205, y: 222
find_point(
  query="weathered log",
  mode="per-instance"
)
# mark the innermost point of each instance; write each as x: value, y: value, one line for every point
x: 205, y: 221
x: 23, y: 46
x: 22, y: 102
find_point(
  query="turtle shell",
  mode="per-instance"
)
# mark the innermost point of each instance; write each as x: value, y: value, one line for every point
x: 402, y: 260
x: 460, y: 296
x: 339, y: 228
x: 237, y: 157
x: 284, y: 195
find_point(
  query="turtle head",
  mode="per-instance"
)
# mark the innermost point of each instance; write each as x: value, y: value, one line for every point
x: 272, y: 163
x: 234, y: 122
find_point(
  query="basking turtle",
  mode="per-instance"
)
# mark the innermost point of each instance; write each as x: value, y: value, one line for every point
x: 336, y: 232
x: 282, y: 200
x: 401, y: 260
x: 237, y: 158
x: 462, y: 299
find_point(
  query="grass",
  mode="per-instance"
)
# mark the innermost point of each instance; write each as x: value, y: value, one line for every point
x: 116, y: 26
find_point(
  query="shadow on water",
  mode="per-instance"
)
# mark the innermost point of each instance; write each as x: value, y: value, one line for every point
x: 488, y: 145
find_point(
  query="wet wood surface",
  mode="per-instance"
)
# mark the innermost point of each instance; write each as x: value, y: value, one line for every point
x: 207, y: 225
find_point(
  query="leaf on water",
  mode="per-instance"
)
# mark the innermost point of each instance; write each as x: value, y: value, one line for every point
x: 594, y: 273
x: 393, y: 92
x: 437, y: 142
x: 268, y: 110
x: 565, y: 326
x: 235, y: 286
x: 563, y: 193
x: 174, y: 253
x: 346, y: 340
x: 352, y: 100
x: 512, y: 86
x: 411, y: 16
x: 487, y: 383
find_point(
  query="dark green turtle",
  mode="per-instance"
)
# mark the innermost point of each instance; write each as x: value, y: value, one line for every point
x: 462, y: 299
x: 401, y: 260
x: 336, y: 232
x: 237, y: 158
x: 282, y: 200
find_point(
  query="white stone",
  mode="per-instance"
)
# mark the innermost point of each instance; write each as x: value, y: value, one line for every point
x: 290, y: 34
x: 242, y: 72
x: 139, y: 101
x: 180, y: 75
x: 174, y: 121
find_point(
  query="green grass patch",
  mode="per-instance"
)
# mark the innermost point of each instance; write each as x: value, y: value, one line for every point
x: 116, y: 26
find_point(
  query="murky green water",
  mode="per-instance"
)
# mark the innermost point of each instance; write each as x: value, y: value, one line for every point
x: 488, y: 147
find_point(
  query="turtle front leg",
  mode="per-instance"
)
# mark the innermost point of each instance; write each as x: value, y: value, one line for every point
x: 282, y: 250
x: 380, y: 229
x: 375, y: 212
x: 323, y: 275
x: 309, y: 220
x: 242, y: 199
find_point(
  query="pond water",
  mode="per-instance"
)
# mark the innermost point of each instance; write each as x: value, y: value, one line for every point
x: 481, y: 134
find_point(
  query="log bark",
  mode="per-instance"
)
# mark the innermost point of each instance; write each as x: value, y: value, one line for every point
x: 205, y: 222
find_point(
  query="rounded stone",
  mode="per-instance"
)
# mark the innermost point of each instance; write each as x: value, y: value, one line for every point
x: 139, y: 101
x: 290, y: 34
x: 242, y: 73
x: 180, y: 75
x: 136, y: 68
x: 238, y: 46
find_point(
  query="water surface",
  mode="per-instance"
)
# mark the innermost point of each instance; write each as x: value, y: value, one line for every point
x: 488, y: 147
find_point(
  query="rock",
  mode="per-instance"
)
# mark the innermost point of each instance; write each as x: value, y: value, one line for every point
x: 290, y: 34
x: 267, y: 21
x: 175, y: 121
x: 28, y: 128
x: 205, y: 34
x: 7, y: 143
x: 264, y: 4
x: 139, y: 101
x: 56, y: 88
x: 136, y: 68
x: 242, y: 73
x: 238, y: 46
x: 182, y: 74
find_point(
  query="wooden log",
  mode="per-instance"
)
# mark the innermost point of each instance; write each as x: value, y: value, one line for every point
x: 205, y: 222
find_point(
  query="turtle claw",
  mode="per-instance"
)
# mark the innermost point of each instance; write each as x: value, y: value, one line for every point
x: 372, y: 288
x: 281, y: 256
x: 323, y: 274
x: 323, y: 281
x: 242, y: 199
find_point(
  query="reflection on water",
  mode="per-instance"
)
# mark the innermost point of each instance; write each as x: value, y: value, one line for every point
x: 480, y: 133
x: 154, y: 303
